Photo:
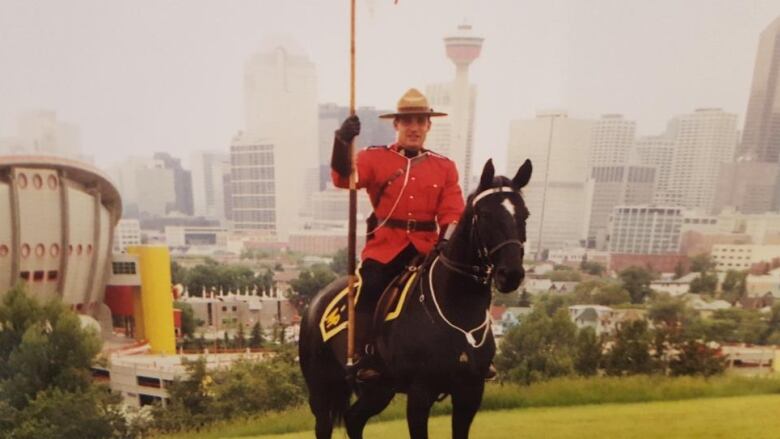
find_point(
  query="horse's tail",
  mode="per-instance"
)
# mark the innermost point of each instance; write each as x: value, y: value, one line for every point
x: 329, y: 391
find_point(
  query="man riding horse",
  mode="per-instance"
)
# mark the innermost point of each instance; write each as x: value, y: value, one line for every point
x: 416, y: 200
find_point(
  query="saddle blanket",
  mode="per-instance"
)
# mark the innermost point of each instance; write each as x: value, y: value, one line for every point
x: 335, y: 318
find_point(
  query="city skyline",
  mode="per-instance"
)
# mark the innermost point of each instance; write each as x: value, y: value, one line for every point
x: 186, y: 94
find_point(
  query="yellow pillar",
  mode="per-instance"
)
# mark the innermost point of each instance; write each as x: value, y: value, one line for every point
x: 156, y: 297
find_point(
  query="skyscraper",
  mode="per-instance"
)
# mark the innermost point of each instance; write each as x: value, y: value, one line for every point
x: 761, y: 137
x: 454, y: 137
x: 182, y: 182
x: 657, y: 152
x: 559, y: 148
x: 254, y: 187
x: 704, y: 140
x: 280, y: 88
x: 208, y: 175
x: 611, y: 140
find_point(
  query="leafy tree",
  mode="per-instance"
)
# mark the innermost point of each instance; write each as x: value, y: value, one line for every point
x: 706, y: 283
x: 309, y: 282
x: 266, y: 281
x: 46, y: 387
x: 551, y: 303
x: 734, y: 285
x: 539, y: 348
x: 188, y: 321
x: 245, y: 389
x: 679, y: 270
x: 636, y: 280
x: 592, y: 268
x: 696, y: 358
x: 588, y: 352
x: 339, y: 263
x: 702, y: 263
x: 668, y: 311
x: 525, y: 299
x: 240, y: 339
x: 601, y: 292
x: 256, y: 336
x: 178, y: 273
x: 630, y: 353
x: 564, y: 275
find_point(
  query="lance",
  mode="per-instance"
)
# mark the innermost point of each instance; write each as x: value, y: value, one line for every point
x: 352, y: 230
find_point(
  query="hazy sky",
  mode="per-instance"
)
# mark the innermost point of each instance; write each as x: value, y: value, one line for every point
x: 145, y: 76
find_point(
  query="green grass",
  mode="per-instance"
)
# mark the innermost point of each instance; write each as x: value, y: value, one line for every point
x: 556, y: 393
x: 749, y: 417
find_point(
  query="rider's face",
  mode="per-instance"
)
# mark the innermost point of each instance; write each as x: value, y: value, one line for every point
x: 412, y: 130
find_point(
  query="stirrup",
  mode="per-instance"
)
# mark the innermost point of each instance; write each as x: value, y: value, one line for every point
x: 367, y: 375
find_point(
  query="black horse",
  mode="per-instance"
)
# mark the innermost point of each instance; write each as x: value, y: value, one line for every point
x: 441, y: 343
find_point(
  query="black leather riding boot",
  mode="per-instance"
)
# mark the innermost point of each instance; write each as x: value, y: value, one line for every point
x: 366, y: 362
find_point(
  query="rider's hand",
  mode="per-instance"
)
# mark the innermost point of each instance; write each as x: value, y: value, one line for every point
x: 349, y: 129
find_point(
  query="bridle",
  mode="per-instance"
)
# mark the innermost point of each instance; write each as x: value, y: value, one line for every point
x: 483, y: 272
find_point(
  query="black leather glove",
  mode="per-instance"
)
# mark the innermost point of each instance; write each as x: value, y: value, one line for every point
x: 350, y: 128
x: 340, y: 161
x: 444, y: 237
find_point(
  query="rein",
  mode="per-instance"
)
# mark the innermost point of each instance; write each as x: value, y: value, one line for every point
x: 482, y: 273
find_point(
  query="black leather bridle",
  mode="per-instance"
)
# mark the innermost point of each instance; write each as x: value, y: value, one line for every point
x: 483, y: 272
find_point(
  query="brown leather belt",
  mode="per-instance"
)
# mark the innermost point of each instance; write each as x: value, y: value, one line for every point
x: 410, y: 225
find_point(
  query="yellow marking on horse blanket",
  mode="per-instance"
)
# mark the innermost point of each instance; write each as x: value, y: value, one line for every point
x: 335, y: 320
x: 401, y: 300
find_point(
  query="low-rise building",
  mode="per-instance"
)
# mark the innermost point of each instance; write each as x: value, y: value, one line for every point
x: 602, y: 319
x: 742, y: 256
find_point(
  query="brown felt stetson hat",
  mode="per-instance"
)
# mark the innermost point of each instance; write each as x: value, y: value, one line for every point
x: 413, y: 103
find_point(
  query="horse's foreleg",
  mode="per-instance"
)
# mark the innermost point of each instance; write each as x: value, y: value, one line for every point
x: 466, y: 400
x: 418, y: 408
x: 371, y: 402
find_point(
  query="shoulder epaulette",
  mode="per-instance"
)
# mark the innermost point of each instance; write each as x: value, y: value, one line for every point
x: 436, y: 154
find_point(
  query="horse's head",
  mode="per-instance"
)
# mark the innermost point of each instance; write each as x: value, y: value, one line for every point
x: 498, y: 216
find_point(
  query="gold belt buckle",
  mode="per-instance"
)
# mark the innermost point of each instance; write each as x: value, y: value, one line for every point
x: 411, y: 225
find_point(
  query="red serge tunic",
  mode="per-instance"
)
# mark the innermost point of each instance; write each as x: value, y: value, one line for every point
x: 432, y: 193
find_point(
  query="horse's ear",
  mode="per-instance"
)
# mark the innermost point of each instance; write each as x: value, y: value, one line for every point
x: 488, y: 172
x: 523, y: 175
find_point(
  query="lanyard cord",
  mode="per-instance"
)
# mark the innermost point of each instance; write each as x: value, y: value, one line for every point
x: 468, y: 334
x: 398, y: 199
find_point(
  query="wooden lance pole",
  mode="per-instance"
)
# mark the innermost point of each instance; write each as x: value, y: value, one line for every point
x: 351, y: 238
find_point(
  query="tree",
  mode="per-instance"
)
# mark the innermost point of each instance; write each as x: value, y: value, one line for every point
x: 339, y: 263
x: 601, y: 292
x: 696, y: 358
x: 706, y: 283
x: 630, y: 353
x: 240, y: 338
x: 188, y: 322
x: 539, y: 348
x: 702, y: 263
x: 669, y: 311
x: 587, y: 358
x: 256, y: 336
x: 564, y: 275
x: 178, y: 273
x: 636, y: 280
x: 592, y: 268
x: 46, y: 387
x: 309, y: 282
x: 679, y: 270
x: 734, y: 285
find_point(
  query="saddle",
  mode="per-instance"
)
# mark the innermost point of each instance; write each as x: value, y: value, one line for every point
x: 389, y: 306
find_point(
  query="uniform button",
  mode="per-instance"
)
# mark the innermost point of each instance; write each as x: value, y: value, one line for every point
x: 411, y: 197
x: 410, y: 213
x: 413, y: 178
x: 435, y: 185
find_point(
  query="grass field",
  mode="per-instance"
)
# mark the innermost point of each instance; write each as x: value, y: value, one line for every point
x: 561, y: 392
x: 753, y: 417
